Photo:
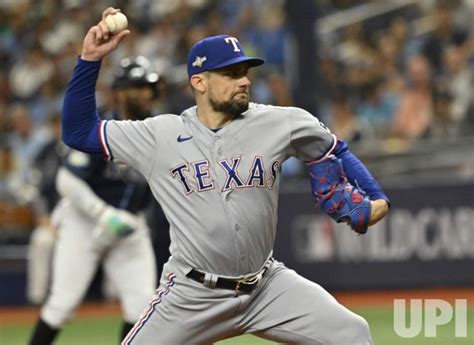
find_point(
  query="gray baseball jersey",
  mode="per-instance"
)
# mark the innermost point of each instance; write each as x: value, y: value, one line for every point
x: 219, y: 189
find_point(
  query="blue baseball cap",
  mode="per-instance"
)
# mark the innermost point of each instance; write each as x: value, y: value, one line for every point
x: 216, y: 52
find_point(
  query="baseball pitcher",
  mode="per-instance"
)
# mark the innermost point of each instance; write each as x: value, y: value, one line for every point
x: 216, y: 172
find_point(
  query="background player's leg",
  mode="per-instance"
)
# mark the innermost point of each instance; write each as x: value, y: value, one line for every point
x: 292, y: 309
x: 74, y: 265
x: 130, y: 265
x: 40, y: 253
x: 43, y: 334
x: 126, y: 327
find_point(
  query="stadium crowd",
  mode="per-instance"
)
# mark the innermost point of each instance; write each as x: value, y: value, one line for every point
x: 408, y: 73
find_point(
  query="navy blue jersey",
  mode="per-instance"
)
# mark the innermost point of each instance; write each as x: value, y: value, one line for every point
x: 118, y: 185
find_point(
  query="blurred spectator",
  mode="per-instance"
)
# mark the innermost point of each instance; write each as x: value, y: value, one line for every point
x: 388, y: 52
x: 331, y: 6
x: 48, y: 102
x: 354, y: 50
x: 181, y: 8
x: 463, y: 14
x: 377, y: 107
x: 344, y: 122
x: 29, y: 74
x: 25, y: 140
x: 445, y: 33
x: 331, y: 77
x: 406, y: 43
x: 442, y: 124
x: 269, y: 38
x: 279, y: 90
x: 415, y: 111
x: 458, y: 79
x: 55, y: 35
x: 271, y: 90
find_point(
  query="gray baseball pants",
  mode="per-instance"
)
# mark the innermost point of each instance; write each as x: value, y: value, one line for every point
x: 285, y: 308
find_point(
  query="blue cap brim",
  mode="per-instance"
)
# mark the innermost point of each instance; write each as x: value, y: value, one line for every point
x: 252, y: 61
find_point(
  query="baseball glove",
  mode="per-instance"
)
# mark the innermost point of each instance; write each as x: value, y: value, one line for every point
x: 337, y: 197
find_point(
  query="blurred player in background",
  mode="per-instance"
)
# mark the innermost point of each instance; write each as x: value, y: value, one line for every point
x: 41, y: 246
x: 100, y: 219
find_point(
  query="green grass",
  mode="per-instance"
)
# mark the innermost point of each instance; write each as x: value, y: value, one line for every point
x: 104, y: 331
x: 79, y: 332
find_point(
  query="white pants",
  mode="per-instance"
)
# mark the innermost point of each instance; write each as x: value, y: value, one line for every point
x: 285, y: 307
x: 129, y: 264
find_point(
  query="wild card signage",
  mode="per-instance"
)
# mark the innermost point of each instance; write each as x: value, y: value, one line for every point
x: 427, y: 239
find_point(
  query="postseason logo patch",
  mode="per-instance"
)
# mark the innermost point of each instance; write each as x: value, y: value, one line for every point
x: 324, y: 127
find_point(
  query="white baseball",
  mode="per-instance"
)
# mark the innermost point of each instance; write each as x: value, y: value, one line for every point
x: 116, y: 22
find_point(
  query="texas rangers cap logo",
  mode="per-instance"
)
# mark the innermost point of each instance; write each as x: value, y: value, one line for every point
x: 217, y: 52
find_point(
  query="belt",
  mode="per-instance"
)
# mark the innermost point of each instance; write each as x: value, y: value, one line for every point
x: 246, y: 285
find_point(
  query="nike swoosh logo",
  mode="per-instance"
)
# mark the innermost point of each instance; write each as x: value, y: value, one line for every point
x: 181, y: 139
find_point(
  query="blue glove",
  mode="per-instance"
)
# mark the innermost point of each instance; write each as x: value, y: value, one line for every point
x: 337, y: 197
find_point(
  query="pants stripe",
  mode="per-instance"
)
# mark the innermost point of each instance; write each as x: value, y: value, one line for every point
x: 149, y: 311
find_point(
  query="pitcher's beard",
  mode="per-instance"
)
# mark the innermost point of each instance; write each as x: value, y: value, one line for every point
x: 232, y: 107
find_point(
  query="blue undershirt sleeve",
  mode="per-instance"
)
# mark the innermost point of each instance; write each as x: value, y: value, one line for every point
x: 80, y: 120
x: 357, y: 173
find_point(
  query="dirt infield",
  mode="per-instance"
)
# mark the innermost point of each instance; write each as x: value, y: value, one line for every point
x: 27, y: 315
